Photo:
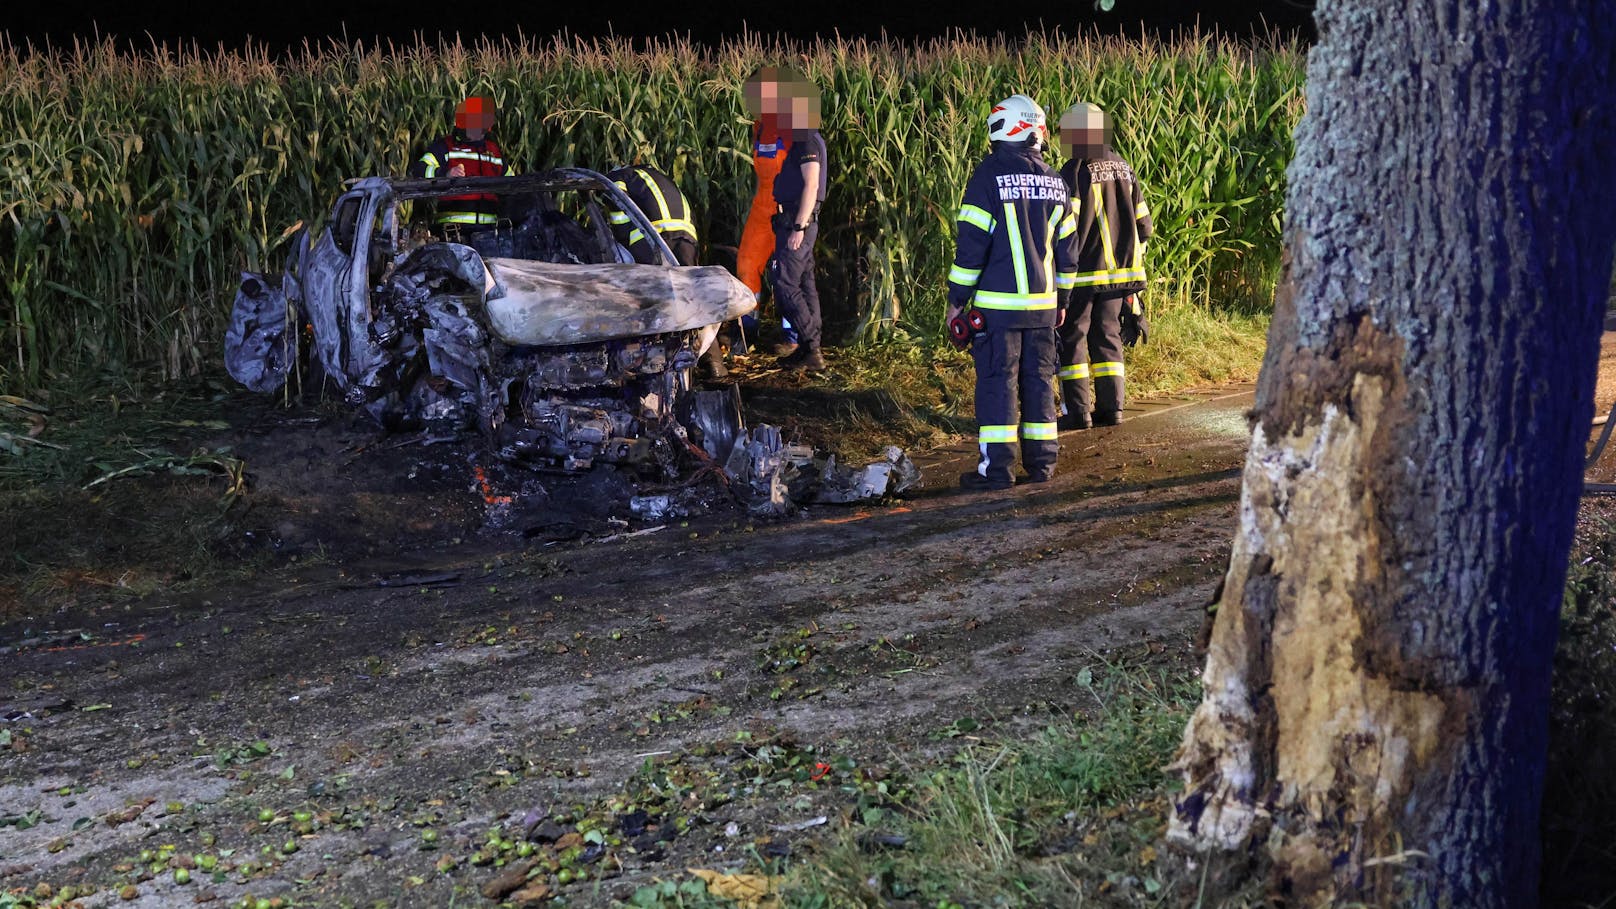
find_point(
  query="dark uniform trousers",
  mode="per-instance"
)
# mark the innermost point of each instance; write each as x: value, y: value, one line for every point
x: 682, y: 247
x: 1013, y: 366
x: 791, y: 271
x: 1091, y: 352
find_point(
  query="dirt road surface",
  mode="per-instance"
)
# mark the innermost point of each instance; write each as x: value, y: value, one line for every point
x: 442, y: 672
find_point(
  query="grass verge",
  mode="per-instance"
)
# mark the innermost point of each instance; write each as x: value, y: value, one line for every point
x: 112, y: 492
x: 919, y: 396
x: 1070, y: 815
x: 1073, y: 812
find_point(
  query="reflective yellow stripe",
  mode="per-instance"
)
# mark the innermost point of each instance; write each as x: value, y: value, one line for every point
x: 467, y: 217
x: 1018, y: 256
x: 1144, y: 210
x: 1068, y: 225
x: 1038, y: 431
x: 991, y: 434
x: 473, y: 156
x: 1073, y: 371
x: 965, y: 276
x: 432, y: 164
x: 663, y: 211
x: 1109, y: 276
x: 618, y: 217
x: 978, y: 217
x: 988, y: 299
x: 1049, y: 250
x: 1104, y: 228
x: 1107, y: 369
x: 664, y: 228
x: 673, y: 225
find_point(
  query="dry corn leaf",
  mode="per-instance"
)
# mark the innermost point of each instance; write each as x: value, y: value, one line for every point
x: 751, y: 891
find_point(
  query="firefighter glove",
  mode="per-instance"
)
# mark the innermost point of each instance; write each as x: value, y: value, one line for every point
x: 1135, y: 330
x: 962, y: 327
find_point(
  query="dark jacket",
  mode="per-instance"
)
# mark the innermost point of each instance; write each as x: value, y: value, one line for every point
x: 806, y: 145
x: 1016, y: 240
x: 1113, y: 223
x: 660, y: 199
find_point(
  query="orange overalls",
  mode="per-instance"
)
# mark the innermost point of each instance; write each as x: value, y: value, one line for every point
x: 769, y: 147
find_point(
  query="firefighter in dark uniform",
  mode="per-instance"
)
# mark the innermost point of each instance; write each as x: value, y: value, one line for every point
x: 655, y: 194
x: 799, y: 191
x: 469, y: 151
x: 1104, y: 315
x: 1015, y: 263
x: 659, y: 197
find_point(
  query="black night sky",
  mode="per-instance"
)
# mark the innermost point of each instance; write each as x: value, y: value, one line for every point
x: 288, y: 24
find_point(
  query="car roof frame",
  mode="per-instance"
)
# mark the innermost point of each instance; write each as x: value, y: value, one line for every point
x: 556, y: 179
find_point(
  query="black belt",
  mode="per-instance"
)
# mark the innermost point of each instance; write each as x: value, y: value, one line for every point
x: 791, y: 208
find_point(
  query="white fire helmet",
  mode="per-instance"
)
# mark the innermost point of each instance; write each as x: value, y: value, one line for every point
x: 1017, y: 118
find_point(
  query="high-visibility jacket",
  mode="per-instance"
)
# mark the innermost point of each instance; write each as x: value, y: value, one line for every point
x: 1113, y: 223
x: 660, y: 199
x: 481, y: 158
x: 1016, y: 240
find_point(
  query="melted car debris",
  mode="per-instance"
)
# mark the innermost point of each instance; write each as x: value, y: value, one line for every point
x: 539, y: 341
x: 778, y: 476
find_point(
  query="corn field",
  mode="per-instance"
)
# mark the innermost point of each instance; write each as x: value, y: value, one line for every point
x: 135, y: 187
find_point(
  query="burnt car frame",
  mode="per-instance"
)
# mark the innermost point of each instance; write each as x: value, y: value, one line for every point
x: 535, y: 332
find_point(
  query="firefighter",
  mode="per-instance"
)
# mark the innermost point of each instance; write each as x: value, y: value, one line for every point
x: 469, y: 151
x: 1015, y: 263
x: 770, y: 143
x: 799, y: 192
x: 655, y: 193
x: 1104, y: 315
x: 659, y: 197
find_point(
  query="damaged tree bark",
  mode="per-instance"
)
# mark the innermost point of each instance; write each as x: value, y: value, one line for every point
x: 1374, y: 718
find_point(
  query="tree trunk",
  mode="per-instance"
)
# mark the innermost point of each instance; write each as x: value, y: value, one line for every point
x: 1374, y: 718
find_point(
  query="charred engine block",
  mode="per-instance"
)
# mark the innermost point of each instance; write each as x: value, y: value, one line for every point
x: 614, y: 403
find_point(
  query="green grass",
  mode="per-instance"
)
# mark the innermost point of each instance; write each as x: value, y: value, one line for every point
x: 919, y: 394
x: 891, y: 392
x: 122, y: 499
x: 1194, y: 345
x: 1070, y: 812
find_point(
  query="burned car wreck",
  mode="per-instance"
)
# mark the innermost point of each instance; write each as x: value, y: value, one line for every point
x: 535, y: 332
x: 539, y: 334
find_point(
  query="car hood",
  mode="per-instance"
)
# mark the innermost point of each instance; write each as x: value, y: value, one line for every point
x: 544, y: 304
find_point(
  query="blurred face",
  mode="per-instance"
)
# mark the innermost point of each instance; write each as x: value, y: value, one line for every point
x: 799, y: 105
x: 762, y: 93
x: 475, y: 117
x: 1085, y: 133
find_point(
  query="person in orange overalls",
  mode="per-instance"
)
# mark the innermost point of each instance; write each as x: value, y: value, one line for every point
x: 770, y: 144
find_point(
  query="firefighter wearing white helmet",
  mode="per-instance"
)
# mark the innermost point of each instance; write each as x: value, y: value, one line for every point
x: 1104, y: 315
x: 1016, y: 260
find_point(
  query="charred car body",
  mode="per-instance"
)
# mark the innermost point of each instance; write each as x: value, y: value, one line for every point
x: 537, y: 332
